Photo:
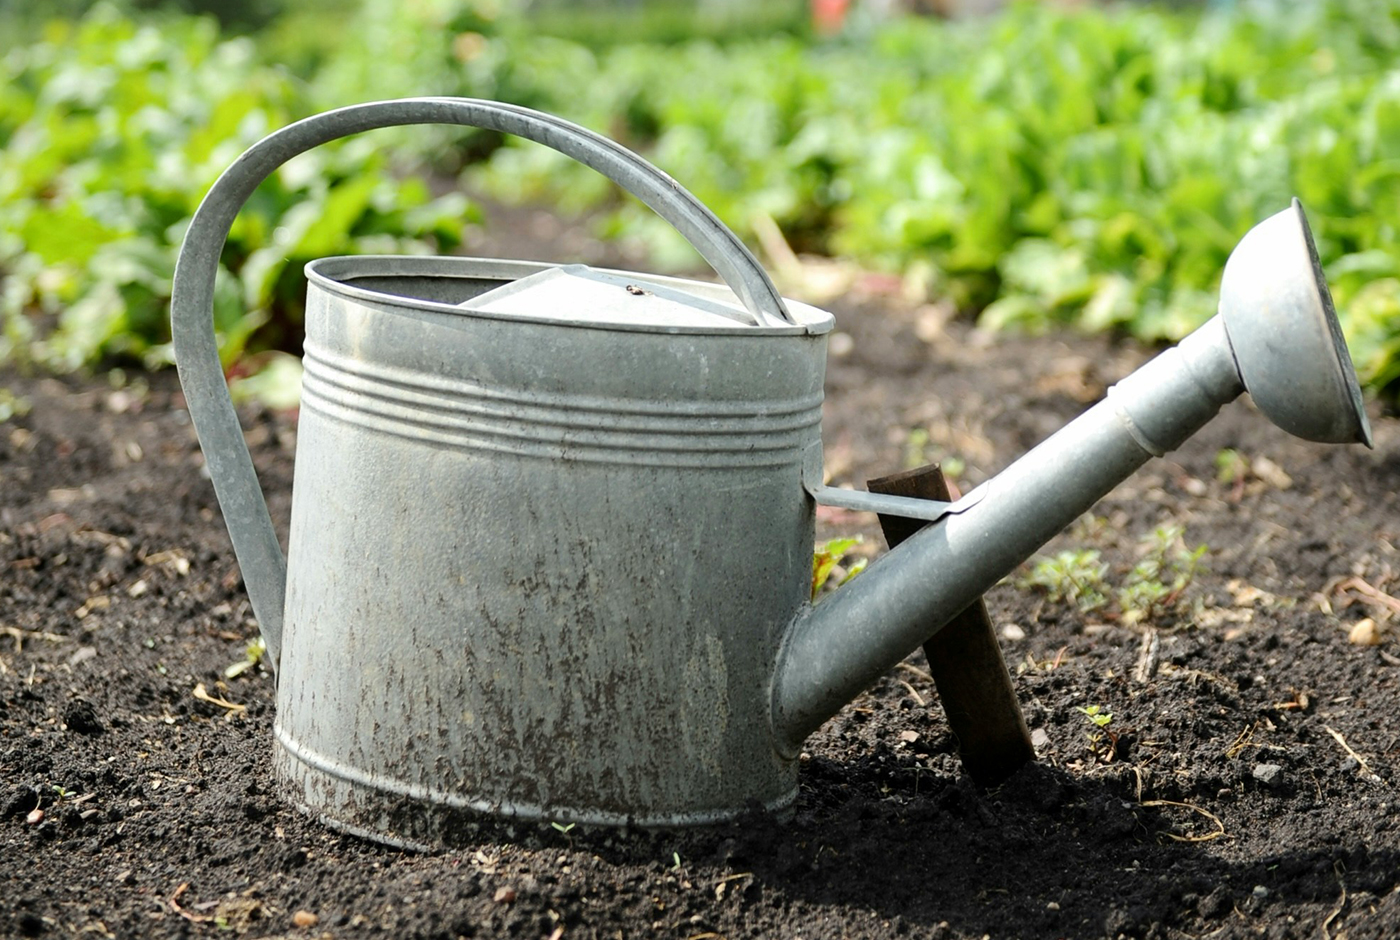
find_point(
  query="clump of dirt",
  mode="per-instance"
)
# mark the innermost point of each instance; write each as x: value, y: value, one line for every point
x: 1221, y: 763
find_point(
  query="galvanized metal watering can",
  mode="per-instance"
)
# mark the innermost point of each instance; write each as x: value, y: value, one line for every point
x: 552, y: 527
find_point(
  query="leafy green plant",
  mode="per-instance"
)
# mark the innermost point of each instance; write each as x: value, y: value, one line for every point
x: 1101, y: 190
x: 1072, y: 576
x: 1103, y: 743
x: 1230, y: 466
x: 1096, y: 715
x: 1161, y: 575
x: 253, y: 655
x: 111, y: 130
x: 1154, y: 585
x: 827, y: 556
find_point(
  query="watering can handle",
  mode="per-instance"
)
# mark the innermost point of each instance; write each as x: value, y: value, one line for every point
x: 226, y: 454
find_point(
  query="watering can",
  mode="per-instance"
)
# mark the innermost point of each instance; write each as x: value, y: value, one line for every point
x: 552, y: 527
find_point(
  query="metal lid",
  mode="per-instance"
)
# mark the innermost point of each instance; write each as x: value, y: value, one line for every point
x: 578, y: 293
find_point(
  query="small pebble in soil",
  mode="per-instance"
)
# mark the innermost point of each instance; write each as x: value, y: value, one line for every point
x: 80, y: 716
x: 504, y: 895
x: 1012, y: 632
x: 305, y: 919
x: 1364, y: 633
x: 1260, y: 891
x: 1270, y: 775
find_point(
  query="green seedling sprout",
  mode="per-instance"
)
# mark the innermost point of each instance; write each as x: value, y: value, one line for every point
x: 827, y: 556
x: 252, y: 656
x: 1161, y: 576
x: 1103, y: 743
x: 1230, y: 466
x: 1152, y: 587
x: 1072, y: 576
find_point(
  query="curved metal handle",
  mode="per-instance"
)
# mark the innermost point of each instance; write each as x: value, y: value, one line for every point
x: 192, y: 296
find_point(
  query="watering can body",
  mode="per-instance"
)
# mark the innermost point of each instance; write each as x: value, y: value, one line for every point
x: 551, y: 536
x: 540, y: 565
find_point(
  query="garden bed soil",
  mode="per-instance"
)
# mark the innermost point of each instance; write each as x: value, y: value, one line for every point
x: 1245, y: 785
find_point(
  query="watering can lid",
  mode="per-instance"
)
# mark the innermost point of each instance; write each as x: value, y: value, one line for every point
x: 577, y: 293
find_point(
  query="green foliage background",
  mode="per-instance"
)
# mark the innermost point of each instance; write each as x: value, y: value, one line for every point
x: 1089, y: 168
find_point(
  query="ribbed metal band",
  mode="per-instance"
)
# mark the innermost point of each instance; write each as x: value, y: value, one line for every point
x: 454, y: 413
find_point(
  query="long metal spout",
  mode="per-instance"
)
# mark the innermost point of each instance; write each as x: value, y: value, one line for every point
x: 837, y: 649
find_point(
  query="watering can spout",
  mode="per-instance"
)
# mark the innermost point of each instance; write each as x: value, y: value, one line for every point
x: 1276, y: 336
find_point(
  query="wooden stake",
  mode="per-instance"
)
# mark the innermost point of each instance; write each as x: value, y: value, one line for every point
x: 965, y: 659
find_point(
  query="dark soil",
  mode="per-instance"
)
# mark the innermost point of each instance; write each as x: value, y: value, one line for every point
x: 1244, y: 786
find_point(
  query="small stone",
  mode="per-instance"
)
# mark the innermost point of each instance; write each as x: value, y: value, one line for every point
x: 909, y: 737
x: 1270, y: 775
x: 82, y: 654
x: 1364, y: 633
x: 80, y: 716
x: 305, y: 919
x: 1260, y: 891
x: 1040, y: 738
x: 1012, y: 632
x: 127, y: 878
x: 1053, y: 906
x: 504, y: 895
x: 1271, y: 473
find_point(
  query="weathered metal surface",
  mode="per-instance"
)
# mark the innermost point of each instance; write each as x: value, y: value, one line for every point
x: 1284, y: 330
x: 550, y: 558
x: 964, y: 658
x: 519, y: 577
x: 192, y: 294
x: 879, y: 618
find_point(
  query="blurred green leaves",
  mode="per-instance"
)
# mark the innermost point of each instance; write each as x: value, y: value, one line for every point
x: 111, y: 131
x: 1088, y: 168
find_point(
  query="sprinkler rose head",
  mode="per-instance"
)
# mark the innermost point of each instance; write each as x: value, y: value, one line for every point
x: 1284, y: 333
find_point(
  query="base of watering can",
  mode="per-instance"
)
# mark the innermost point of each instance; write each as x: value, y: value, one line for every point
x: 426, y: 819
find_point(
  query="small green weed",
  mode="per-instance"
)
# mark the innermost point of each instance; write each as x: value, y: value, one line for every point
x: 830, y: 554
x: 1157, y: 581
x: 1072, y: 576
x: 252, y: 656
x: 1230, y: 466
x: 564, y: 829
x: 1102, y: 742
x: 12, y: 405
x: 1153, y: 587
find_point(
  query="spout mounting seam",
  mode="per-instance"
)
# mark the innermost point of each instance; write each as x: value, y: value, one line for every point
x: 1115, y: 398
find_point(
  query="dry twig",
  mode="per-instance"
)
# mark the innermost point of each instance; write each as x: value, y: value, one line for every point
x: 915, y: 671
x: 20, y: 634
x: 1341, y: 902
x: 1354, y: 756
x: 201, y: 693
x: 1219, y: 830
x: 1243, y: 740
x: 174, y: 902
x: 1146, y: 666
x: 1372, y: 595
x: 913, y: 691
